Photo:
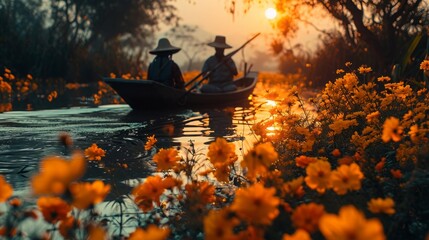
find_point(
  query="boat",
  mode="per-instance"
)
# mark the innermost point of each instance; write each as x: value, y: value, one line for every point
x: 148, y: 94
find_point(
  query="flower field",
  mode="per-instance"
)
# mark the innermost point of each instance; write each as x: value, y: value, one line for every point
x: 350, y: 162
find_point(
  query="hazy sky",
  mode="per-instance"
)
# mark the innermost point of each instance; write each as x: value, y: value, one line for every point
x: 212, y: 16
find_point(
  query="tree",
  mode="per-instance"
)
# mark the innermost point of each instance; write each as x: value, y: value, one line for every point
x: 79, y: 39
x: 379, y: 27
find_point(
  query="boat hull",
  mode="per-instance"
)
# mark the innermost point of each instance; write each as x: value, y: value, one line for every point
x: 147, y: 94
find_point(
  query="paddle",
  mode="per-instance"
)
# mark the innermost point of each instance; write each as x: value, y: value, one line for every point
x: 207, y: 74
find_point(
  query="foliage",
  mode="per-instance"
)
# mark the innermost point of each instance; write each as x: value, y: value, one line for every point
x: 78, y: 40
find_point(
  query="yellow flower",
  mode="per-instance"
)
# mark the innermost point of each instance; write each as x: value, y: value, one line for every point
x: 151, y: 140
x: 259, y: 159
x: 350, y: 223
x: 392, y: 130
x: 148, y: 192
x: 94, y: 152
x: 256, y: 204
x: 166, y: 159
x: 346, y: 177
x: 86, y: 195
x: 57, y: 173
x: 6, y: 189
x: 307, y: 216
x: 220, y: 151
x: 298, y: 235
x: 424, y: 65
x: 318, y: 175
x: 380, y: 205
x: 219, y: 224
x: 152, y: 232
x: 53, y: 209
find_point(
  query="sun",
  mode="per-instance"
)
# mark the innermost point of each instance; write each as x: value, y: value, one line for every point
x: 270, y: 13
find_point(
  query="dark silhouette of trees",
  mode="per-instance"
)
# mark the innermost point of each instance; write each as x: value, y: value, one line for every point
x: 79, y: 39
x: 381, y: 31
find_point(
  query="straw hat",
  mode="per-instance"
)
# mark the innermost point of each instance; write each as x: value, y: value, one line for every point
x: 219, y: 42
x: 164, y: 46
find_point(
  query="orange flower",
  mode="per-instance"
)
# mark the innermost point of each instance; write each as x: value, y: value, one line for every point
x: 54, y: 209
x: 392, y: 130
x: 148, y: 192
x: 380, y: 165
x: 166, y: 159
x: 336, y: 152
x: 94, y: 153
x: 152, y: 232
x: 219, y: 224
x: 303, y: 161
x: 294, y: 187
x: 318, y: 175
x: 298, y: 235
x: 380, y: 205
x: 307, y: 216
x: 256, y: 204
x: 86, y: 195
x: 200, y: 192
x: 96, y: 233
x: 57, y: 173
x: 151, y: 140
x: 350, y: 223
x: 396, y: 173
x: 221, y: 151
x: 6, y: 189
x: 259, y: 159
x: 346, y: 177
x: 424, y: 65
x: 372, y: 116
x: 383, y: 79
x: 363, y: 69
x: 68, y: 226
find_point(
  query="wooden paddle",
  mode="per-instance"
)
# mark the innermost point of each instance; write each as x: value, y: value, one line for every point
x: 207, y: 74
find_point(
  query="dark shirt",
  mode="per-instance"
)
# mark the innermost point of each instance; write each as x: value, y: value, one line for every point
x: 223, y: 74
x: 164, y: 70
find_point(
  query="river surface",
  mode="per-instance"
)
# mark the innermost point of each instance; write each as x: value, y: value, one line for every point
x: 26, y: 137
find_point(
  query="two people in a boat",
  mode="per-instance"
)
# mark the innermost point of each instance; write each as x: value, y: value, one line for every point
x: 219, y: 69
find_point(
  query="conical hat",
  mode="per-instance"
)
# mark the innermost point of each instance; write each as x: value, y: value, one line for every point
x: 164, y: 46
x: 219, y: 42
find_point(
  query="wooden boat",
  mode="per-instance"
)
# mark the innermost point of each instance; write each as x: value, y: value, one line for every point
x: 148, y: 94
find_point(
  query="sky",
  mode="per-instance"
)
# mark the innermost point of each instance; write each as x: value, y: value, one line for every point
x: 212, y: 17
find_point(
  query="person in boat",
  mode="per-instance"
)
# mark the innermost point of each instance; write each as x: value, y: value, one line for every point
x: 221, y: 77
x: 163, y: 69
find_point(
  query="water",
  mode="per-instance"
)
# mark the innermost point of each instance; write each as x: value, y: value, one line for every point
x: 26, y: 137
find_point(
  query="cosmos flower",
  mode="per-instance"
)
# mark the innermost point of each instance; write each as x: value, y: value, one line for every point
x: 152, y: 232
x: 318, y: 176
x: 219, y: 224
x: 94, y: 153
x: 424, y: 65
x: 307, y: 216
x: 86, y: 195
x: 151, y: 140
x: 350, y: 223
x: 6, y: 189
x: 299, y: 234
x: 53, y: 209
x: 380, y: 205
x: 392, y: 130
x: 259, y: 159
x: 346, y: 178
x: 148, y: 192
x: 166, y: 159
x: 220, y: 151
x: 256, y: 204
x: 303, y: 161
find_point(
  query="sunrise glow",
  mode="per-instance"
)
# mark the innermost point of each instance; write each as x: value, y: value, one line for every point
x: 270, y: 13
